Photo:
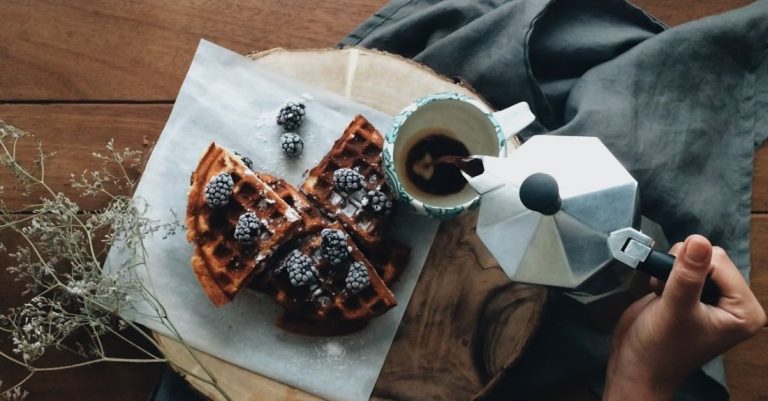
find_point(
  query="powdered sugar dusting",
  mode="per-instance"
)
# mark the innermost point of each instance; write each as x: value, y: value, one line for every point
x: 331, y: 350
x: 298, y: 203
x: 267, y: 118
x: 291, y: 215
x: 260, y: 137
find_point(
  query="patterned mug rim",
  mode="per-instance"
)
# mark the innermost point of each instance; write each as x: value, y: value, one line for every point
x: 417, y: 205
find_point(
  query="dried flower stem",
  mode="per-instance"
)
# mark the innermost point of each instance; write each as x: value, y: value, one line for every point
x: 63, y: 271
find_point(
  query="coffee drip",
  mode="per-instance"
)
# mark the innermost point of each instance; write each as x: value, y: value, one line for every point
x: 434, y: 164
x: 470, y: 165
x: 426, y: 173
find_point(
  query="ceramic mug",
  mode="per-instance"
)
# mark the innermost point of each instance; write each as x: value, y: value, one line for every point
x: 481, y: 130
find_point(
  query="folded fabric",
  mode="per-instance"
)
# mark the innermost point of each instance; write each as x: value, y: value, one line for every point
x: 683, y: 109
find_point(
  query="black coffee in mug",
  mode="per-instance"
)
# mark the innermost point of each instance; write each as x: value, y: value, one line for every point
x: 426, y: 165
x: 440, y: 126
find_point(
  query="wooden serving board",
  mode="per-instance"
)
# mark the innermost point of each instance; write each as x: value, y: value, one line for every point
x: 465, y: 321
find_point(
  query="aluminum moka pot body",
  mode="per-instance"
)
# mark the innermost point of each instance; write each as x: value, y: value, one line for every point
x: 548, y: 209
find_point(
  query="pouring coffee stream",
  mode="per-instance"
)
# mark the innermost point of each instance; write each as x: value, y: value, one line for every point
x: 425, y: 168
x: 469, y: 165
x: 570, y: 236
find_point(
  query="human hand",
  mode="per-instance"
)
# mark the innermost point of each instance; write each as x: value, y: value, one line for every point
x: 663, y: 337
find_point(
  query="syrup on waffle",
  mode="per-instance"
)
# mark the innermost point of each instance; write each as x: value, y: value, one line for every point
x: 222, y: 264
x: 311, y: 218
x: 390, y: 260
x: 328, y: 298
x: 359, y: 148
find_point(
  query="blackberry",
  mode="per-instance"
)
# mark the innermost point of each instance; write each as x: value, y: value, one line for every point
x: 219, y: 190
x: 377, y: 201
x: 292, y: 144
x: 334, y: 246
x: 246, y: 160
x: 301, y: 270
x: 291, y: 116
x: 357, y: 278
x: 248, y: 228
x: 348, y: 180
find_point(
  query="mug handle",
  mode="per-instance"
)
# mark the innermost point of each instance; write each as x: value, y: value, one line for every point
x: 513, y: 119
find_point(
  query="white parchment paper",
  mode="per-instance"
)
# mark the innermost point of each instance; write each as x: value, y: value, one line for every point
x: 229, y: 99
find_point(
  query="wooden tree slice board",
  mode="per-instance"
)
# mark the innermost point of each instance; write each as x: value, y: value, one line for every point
x: 465, y: 322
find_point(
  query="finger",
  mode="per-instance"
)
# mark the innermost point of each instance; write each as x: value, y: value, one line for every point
x: 683, y: 288
x: 729, y: 279
x: 736, y: 297
x: 657, y: 286
x: 675, y: 250
x: 630, y: 315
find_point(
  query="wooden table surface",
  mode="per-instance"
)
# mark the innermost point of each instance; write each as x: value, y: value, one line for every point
x: 77, y: 73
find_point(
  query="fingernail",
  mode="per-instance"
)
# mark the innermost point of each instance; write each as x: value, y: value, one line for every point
x: 696, y: 251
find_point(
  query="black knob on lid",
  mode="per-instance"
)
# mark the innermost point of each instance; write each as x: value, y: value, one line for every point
x: 539, y: 192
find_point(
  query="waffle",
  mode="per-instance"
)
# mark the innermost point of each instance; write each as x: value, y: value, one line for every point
x: 359, y: 148
x: 222, y: 264
x: 330, y: 300
x: 311, y: 218
x: 390, y: 261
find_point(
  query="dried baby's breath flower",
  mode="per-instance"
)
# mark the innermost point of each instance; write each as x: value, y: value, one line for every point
x: 13, y: 394
x: 38, y: 325
x: 60, y: 261
x: 113, y: 176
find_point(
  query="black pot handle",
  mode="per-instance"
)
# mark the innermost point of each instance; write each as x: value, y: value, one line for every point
x: 659, y: 265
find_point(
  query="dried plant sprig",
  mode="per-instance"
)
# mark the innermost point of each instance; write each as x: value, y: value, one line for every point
x: 60, y: 263
x: 113, y: 176
x: 14, y: 393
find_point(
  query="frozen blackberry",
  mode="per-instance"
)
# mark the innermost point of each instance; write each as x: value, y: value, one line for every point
x: 246, y: 160
x: 301, y: 271
x: 357, y: 278
x: 334, y: 246
x: 292, y: 144
x: 377, y: 201
x: 248, y: 228
x: 219, y: 190
x: 348, y: 180
x: 291, y: 116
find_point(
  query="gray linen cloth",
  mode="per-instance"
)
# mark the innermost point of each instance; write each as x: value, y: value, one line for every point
x: 683, y: 109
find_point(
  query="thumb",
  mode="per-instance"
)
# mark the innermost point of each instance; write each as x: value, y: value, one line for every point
x: 683, y: 288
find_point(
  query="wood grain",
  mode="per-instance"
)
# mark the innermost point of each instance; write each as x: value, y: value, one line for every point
x: 676, y: 12
x: 74, y: 132
x: 105, y: 381
x: 746, y: 369
x: 118, y: 382
x: 760, y: 181
x: 463, y: 325
x: 140, y: 50
x: 241, y: 384
x: 759, y: 257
